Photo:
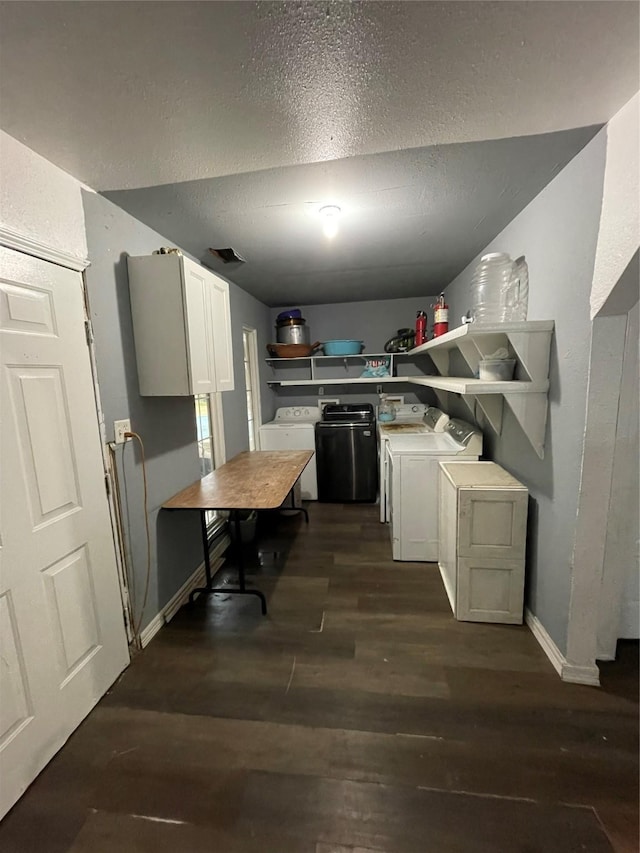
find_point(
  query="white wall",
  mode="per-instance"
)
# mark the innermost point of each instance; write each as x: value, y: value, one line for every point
x: 40, y: 201
x: 623, y: 534
x: 620, y: 217
x: 614, y: 291
x: 558, y: 233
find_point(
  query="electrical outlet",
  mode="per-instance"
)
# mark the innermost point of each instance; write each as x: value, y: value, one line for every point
x: 119, y: 428
x: 321, y: 390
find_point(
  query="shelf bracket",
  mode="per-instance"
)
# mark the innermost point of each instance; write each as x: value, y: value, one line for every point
x: 442, y: 397
x: 532, y: 350
x: 471, y: 354
x: 441, y: 361
x: 469, y: 401
x: 492, y: 406
x: 530, y: 410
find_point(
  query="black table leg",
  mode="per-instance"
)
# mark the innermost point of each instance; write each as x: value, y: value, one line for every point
x: 205, y: 546
x: 210, y: 589
x: 298, y: 508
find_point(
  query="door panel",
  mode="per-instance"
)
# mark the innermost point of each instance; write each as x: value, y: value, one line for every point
x: 61, y: 620
x: 221, y: 331
x: 492, y: 523
x: 48, y: 464
x: 490, y: 591
x: 198, y: 319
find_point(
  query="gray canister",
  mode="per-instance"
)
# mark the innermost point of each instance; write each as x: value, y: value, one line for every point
x: 292, y: 331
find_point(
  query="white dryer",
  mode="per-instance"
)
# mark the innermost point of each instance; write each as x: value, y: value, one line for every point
x: 413, y: 463
x: 411, y: 418
x: 293, y: 428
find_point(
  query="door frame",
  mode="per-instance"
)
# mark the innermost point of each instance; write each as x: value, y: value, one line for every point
x: 254, y: 368
x: 42, y: 251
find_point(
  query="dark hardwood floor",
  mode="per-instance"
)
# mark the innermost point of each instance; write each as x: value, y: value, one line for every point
x: 358, y: 717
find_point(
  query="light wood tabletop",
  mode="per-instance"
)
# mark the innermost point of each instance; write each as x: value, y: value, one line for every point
x: 258, y: 479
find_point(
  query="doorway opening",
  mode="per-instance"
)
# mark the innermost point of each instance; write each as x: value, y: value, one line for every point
x: 252, y: 384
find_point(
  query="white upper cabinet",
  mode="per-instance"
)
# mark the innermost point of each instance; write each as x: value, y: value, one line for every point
x: 181, y: 326
x: 221, y: 326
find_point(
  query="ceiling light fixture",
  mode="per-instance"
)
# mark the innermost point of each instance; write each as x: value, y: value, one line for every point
x: 330, y: 214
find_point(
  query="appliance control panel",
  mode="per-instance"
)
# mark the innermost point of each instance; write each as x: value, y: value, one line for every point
x: 436, y: 419
x: 413, y: 411
x: 466, y: 435
x: 306, y: 414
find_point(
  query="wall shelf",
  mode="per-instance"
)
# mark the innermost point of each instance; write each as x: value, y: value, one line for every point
x: 461, y: 385
x: 528, y: 342
x: 526, y: 395
x: 348, y: 380
x: 313, y: 361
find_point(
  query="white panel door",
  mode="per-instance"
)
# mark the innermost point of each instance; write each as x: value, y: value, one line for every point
x: 199, y: 330
x: 61, y: 622
x: 222, y: 336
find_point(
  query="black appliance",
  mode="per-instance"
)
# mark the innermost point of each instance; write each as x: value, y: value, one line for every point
x: 347, y: 454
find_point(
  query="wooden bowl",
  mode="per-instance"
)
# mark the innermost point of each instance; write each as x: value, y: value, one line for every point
x: 291, y: 350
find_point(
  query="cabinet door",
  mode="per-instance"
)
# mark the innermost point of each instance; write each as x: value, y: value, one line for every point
x: 198, y: 314
x: 221, y: 331
x: 492, y: 523
x: 418, y: 520
x: 490, y: 590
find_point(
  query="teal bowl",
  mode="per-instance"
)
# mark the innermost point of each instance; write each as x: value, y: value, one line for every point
x: 343, y: 347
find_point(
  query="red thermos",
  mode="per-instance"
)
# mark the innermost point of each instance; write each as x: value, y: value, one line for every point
x: 421, y: 328
x: 440, y: 317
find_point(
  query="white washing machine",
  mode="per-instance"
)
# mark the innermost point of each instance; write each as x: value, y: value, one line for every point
x: 410, y: 419
x: 413, y: 475
x: 293, y: 428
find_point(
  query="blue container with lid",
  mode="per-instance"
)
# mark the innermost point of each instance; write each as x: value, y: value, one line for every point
x: 290, y: 314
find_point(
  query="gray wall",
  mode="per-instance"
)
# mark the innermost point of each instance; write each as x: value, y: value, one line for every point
x: 373, y: 322
x: 558, y: 233
x: 166, y: 424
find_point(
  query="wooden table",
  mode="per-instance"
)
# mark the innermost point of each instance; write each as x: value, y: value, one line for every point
x: 259, y: 479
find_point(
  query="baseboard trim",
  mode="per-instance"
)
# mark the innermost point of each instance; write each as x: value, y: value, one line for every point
x: 550, y: 649
x: 182, y: 595
x: 589, y: 675
x: 571, y: 673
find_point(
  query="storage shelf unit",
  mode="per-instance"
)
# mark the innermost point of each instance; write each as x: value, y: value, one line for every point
x: 325, y: 360
x: 349, y: 380
x: 528, y: 342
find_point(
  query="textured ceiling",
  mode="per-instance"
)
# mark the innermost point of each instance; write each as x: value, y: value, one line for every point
x: 410, y: 220
x: 130, y: 94
x: 431, y: 124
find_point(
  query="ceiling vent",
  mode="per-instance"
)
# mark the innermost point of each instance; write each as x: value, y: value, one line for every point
x: 227, y: 256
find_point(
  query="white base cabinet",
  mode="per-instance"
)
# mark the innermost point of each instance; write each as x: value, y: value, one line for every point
x: 181, y: 326
x: 413, y: 505
x: 483, y: 526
